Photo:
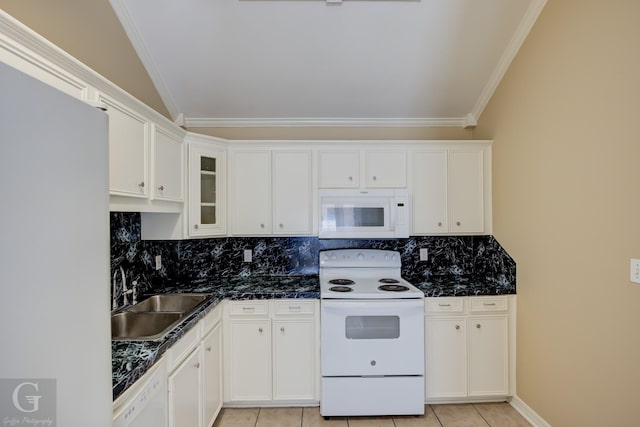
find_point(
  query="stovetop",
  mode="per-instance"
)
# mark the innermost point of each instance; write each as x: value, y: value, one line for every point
x: 363, y: 274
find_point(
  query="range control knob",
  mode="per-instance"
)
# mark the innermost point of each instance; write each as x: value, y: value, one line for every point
x: 360, y: 256
x: 334, y: 257
x: 325, y: 258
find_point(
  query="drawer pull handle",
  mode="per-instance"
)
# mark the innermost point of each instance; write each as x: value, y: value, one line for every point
x: 248, y: 308
x: 444, y: 305
x: 294, y: 308
x: 489, y: 304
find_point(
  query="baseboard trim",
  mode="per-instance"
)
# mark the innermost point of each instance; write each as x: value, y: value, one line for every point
x: 527, y: 413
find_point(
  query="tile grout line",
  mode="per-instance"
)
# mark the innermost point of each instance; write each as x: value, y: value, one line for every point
x: 483, y: 418
x: 436, y: 415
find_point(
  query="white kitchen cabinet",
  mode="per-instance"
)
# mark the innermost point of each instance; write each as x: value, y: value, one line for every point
x: 184, y: 392
x: 167, y: 167
x: 446, y: 357
x: 271, y: 352
x: 212, y: 375
x: 128, y: 149
x: 381, y: 168
x: 293, y: 359
x: 385, y: 168
x: 448, y: 187
x: 195, y: 366
x: 469, y: 355
x: 339, y: 168
x: 488, y: 355
x: 271, y: 192
x: 250, y: 363
x: 207, y: 189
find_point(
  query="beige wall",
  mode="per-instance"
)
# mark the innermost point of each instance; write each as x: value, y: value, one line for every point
x: 567, y: 207
x: 338, y: 133
x: 90, y: 31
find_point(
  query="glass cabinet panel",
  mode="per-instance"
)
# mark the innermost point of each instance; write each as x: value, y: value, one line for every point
x: 206, y: 189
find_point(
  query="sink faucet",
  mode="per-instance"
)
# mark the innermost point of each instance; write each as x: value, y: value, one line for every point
x: 125, y: 291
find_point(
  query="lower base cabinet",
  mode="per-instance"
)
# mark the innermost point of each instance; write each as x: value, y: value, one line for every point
x: 469, y: 352
x: 271, y: 352
x: 195, y: 374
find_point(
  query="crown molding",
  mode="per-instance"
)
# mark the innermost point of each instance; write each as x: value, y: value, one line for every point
x: 508, y: 55
x: 138, y: 43
x: 210, y: 122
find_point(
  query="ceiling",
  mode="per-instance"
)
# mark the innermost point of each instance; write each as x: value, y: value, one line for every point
x: 313, y: 63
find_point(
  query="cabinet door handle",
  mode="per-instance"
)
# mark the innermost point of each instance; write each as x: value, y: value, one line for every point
x: 197, y: 365
x: 478, y: 325
x: 208, y: 349
x: 141, y: 185
x: 261, y: 225
x: 439, y: 224
x: 161, y: 188
x: 260, y: 330
x: 350, y: 178
x: 195, y: 226
x: 458, y: 223
x: 457, y: 327
x: 282, y: 329
x: 374, y: 178
x: 281, y: 225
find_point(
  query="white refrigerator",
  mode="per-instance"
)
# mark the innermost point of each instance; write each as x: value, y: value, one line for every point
x: 54, y: 257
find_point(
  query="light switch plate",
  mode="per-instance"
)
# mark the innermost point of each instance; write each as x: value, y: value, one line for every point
x: 634, y: 274
x: 248, y: 255
x: 158, y: 262
x: 424, y: 254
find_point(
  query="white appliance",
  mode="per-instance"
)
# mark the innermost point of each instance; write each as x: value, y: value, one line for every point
x: 54, y: 251
x: 145, y: 403
x: 372, y: 335
x: 364, y: 214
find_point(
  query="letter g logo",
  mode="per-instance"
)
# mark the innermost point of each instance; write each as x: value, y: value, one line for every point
x: 34, y: 400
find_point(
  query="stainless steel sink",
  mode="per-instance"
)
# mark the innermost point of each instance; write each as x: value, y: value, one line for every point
x: 128, y: 325
x: 154, y: 317
x: 169, y: 302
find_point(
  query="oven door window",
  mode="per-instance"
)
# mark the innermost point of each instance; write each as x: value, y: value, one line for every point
x: 372, y: 327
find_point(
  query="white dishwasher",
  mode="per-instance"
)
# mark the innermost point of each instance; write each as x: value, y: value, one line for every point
x: 144, y: 404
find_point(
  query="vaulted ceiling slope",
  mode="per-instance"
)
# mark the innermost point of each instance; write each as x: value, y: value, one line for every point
x: 310, y: 62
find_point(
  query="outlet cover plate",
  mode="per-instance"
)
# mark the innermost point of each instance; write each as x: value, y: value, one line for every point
x: 634, y: 273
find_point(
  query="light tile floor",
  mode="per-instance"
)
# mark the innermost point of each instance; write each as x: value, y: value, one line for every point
x: 463, y: 415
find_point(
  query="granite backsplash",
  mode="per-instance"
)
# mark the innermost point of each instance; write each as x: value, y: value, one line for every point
x: 183, y: 261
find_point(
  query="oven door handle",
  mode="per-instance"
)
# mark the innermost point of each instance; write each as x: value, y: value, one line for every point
x: 373, y: 306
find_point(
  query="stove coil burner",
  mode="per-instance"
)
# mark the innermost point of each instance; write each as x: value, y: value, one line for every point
x: 388, y: 280
x: 340, y: 289
x: 342, y: 282
x: 393, y: 288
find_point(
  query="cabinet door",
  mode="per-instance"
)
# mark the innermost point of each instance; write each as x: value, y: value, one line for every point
x: 251, y: 192
x: 466, y: 199
x: 293, y: 359
x: 167, y: 150
x: 488, y: 355
x: 250, y: 370
x: 128, y: 150
x: 207, y: 187
x: 385, y: 169
x: 212, y: 375
x: 429, y: 184
x: 446, y: 357
x: 184, y: 396
x: 292, y: 192
x: 339, y: 169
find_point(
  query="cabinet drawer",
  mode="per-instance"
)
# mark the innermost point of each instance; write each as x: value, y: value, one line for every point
x: 295, y: 306
x: 182, y: 348
x: 493, y: 303
x: 444, y: 305
x: 249, y: 307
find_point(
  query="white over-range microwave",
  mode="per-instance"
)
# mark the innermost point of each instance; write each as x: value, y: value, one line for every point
x: 363, y: 214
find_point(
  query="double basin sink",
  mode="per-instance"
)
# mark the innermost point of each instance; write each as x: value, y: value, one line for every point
x: 154, y: 317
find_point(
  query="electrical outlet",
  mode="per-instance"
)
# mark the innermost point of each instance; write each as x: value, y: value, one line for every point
x: 248, y: 255
x: 158, y: 262
x: 424, y: 254
x: 634, y: 274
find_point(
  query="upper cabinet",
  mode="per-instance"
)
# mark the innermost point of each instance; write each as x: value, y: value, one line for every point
x: 207, y: 190
x: 451, y: 190
x: 167, y: 165
x: 271, y: 191
x: 128, y: 149
x: 366, y: 168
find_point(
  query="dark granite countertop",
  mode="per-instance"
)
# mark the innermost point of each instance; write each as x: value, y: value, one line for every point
x: 131, y: 359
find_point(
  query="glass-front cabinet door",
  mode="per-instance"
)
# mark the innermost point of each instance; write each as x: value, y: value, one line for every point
x: 207, y: 188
